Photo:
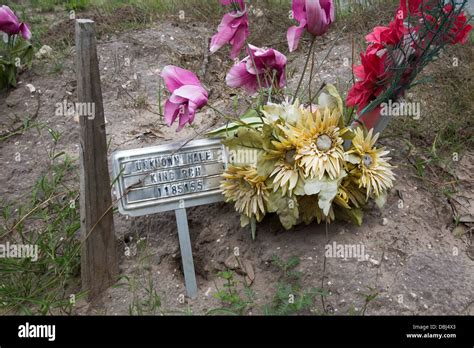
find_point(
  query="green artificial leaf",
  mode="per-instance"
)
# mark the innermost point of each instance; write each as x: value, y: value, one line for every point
x: 347, y: 134
x: 331, y: 99
x: 253, y: 227
x: 326, y: 189
x: 264, y: 166
x: 349, y: 113
x: 308, y: 207
x: 351, y: 158
x: 299, y: 188
x: 245, y: 137
x: 286, y: 208
x: 267, y: 136
x: 244, y: 220
x: 243, y: 156
x: 381, y: 199
x: 230, y: 128
x: 353, y: 215
x: 250, y: 119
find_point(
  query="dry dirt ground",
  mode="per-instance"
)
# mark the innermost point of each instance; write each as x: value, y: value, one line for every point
x: 416, y: 265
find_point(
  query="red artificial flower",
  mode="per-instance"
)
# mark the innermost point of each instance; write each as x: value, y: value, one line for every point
x: 459, y: 31
x: 373, y: 76
x: 374, y: 72
x: 392, y: 35
x: 409, y: 7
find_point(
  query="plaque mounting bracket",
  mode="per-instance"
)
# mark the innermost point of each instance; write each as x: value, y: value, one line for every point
x: 134, y: 169
x: 186, y: 252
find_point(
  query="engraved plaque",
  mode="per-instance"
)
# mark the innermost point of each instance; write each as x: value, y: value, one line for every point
x: 168, y: 177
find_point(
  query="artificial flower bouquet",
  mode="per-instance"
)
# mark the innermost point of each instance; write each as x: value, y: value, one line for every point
x: 15, y: 48
x: 303, y: 171
x: 316, y: 158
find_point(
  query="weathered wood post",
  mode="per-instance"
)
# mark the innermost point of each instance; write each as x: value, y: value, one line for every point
x: 99, y: 265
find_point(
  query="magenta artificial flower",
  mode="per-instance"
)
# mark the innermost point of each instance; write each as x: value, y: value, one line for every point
x: 187, y: 95
x: 233, y: 29
x: 10, y: 24
x: 269, y: 66
x: 313, y: 15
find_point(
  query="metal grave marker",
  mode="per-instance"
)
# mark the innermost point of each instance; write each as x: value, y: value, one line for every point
x: 170, y: 177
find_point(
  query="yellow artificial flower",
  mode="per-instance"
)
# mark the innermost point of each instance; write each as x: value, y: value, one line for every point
x: 371, y: 170
x: 349, y: 194
x: 320, y: 149
x: 282, y: 113
x: 286, y: 172
x: 247, y: 189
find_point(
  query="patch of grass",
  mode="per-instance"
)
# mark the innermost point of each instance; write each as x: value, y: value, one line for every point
x: 119, y: 15
x: 45, y: 5
x: 361, y: 16
x: 145, y: 298
x: 290, y: 298
x: 445, y: 131
x: 49, y: 221
x: 77, y: 5
x: 232, y: 301
x: 369, y: 297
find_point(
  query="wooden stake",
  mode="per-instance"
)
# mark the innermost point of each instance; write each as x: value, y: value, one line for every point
x: 99, y: 266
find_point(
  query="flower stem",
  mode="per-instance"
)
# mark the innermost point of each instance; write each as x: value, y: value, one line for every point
x: 304, y: 69
x: 260, y: 90
x: 230, y: 119
x: 309, y: 83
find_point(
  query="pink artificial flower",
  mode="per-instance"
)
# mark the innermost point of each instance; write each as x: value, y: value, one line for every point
x: 10, y: 24
x: 233, y: 29
x: 269, y: 66
x: 313, y: 15
x: 187, y: 95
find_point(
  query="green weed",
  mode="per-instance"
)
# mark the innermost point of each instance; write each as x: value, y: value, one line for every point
x: 290, y: 298
x: 48, y: 220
